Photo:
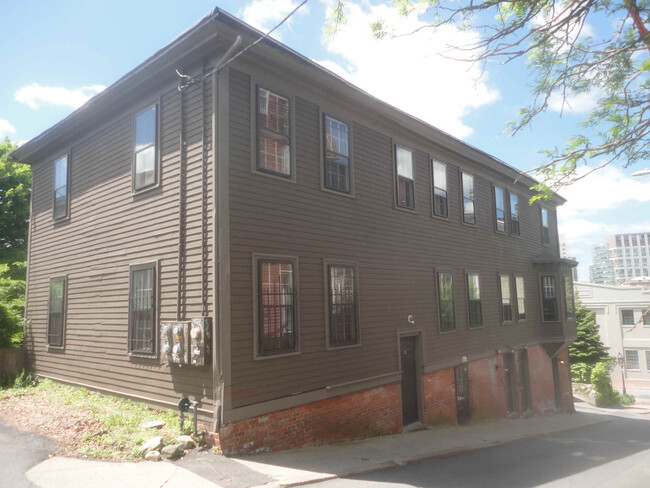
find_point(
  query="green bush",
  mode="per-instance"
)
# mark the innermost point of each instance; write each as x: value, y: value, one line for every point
x: 581, y: 372
x: 12, y: 305
x: 606, y: 396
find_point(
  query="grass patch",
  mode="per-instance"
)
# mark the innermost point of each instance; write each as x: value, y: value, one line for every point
x: 90, y: 423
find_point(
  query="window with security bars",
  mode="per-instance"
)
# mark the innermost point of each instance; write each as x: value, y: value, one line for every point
x: 405, y: 182
x: 61, y: 187
x: 277, y: 331
x: 506, y: 298
x: 469, y: 212
x: 440, y: 205
x: 545, y: 232
x: 56, y: 312
x: 474, y: 300
x: 343, y: 318
x: 337, y: 155
x: 500, y: 208
x: 631, y: 359
x: 144, y: 165
x: 273, y: 133
x: 549, y: 299
x: 142, y: 309
x: 514, y: 215
x: 521, y: 297
x: 446, y: 301
x: 627, y: 317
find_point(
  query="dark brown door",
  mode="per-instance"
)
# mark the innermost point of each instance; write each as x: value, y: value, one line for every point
x: 509, y: 372
x: 524, y: 378
x: 556, y: 383
x: 462, y: 393
x: 410, y: 410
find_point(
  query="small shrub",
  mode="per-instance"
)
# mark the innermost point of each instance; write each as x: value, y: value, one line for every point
x: 606, y: 396
x: 581, y: 372
x: 627, y: 399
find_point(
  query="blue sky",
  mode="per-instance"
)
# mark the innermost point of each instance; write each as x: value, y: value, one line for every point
x: 57, y: 54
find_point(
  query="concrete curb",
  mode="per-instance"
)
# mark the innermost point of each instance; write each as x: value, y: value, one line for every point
x: 434, y: 455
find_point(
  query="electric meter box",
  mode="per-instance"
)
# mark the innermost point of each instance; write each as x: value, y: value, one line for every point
x: 187, y: 342
x: 175, y: 341
x: 200, y: 341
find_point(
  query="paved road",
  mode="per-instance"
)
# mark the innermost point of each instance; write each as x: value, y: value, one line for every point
x: 615, y: 454
x: 19, y: 451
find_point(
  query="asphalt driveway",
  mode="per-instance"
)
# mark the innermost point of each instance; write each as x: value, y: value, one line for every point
x: 19, y: 451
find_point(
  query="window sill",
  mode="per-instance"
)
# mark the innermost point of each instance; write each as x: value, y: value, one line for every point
x: 291, y: 178
x: 142, y: 355
x: 146, y: 191
x: 439, y: 217
x: 339, y: 193
x: 55, y: 348
x: 406, y: 209
x: 346, y: 346
x: 450, y: 331
x: 274, y: 356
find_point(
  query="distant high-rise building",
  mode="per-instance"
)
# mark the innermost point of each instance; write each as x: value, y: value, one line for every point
x: 602, y: 270
x: 564, y: 253
x: 622, y: 259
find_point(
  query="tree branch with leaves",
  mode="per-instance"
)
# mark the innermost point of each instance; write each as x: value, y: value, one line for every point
x: 559, y: 45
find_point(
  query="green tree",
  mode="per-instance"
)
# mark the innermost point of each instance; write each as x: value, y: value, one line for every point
x: 15, y: 188
x: 567, y: 57
x: 587, y: 348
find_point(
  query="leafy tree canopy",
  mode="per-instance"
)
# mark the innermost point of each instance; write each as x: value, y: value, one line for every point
x: 15, y: 187
x: 587, y: 348
x: 567, y: 57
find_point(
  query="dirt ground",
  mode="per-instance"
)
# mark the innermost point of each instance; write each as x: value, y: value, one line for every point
x: 39, y: 415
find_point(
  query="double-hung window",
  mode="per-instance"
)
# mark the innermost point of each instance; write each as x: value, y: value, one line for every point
x: 56, y: 312
x: 273, y: 133
x: 521, y: 298
x: 514, y: 215
x: 405, y: 182
x: 337, y: 169
x: 500, y: 208
x: 506, y: 298
x: 145, y: 167
x: 440, y: 205
x: 569, y: 298
x: 446, y: 301
x: 632, y: 359
x: 646, y: 318
x: 627, y: 317
x: 474, y: 300
x: 142, y: 309
x: 277, y: 331
x: 61, y: 178
x: 469, y: 212
x: 342, y: 305
x: 545, y: 236
x: 549, y: 299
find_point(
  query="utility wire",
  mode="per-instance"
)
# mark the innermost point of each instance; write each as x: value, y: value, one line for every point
x: 188, y: 80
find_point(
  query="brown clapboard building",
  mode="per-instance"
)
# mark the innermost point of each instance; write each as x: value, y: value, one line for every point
x: 303, y: 260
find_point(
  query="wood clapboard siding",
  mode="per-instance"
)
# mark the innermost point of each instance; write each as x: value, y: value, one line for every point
x: 397, y: 253
x: 108, y: 230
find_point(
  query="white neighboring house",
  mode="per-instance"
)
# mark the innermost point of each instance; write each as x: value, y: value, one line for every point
x: 623, y: 327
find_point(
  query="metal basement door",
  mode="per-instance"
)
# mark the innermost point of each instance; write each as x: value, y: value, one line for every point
x: 410, y: 410
x: 509, y: 372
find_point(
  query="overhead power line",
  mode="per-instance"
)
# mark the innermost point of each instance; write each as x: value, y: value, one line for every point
x: 188, y: 80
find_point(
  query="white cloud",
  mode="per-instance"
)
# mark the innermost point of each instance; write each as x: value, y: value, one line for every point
x: 580, y: 103
x: 410, y: 72
x: 6, y: 128
x: 266, y: 14
x: 35, y: 95
x: 608, y: 188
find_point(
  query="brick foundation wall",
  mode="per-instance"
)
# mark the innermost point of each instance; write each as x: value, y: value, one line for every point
x: 487, y: 389
x: 565, y: 382
x: 439, y: 392
x: 541, y: 381
x: 368, y: 413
